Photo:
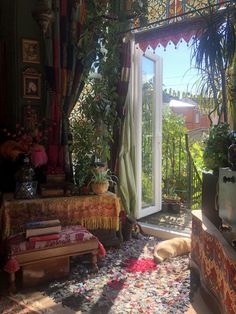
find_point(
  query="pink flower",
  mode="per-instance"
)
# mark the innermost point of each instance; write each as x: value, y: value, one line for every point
x: 38, y: 155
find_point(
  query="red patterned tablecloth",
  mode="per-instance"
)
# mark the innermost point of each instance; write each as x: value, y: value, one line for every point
x: 92, y: 212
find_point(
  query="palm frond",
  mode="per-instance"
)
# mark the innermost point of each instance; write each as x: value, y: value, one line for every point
x: 213, y: 50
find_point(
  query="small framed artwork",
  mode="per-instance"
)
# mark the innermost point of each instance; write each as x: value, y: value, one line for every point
x: 30, y: 51
x: 31, y: 84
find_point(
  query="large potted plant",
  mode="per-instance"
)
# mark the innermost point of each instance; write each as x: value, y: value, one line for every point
x: 213, y: 53
x: 215, y: 156
x: 92, y: 126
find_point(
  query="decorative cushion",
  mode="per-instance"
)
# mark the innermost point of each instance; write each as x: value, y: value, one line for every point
x: 70, y: 234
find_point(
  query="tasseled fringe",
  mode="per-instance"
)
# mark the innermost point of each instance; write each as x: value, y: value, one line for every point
x: 102, y: 251
x: 12, y: 265
x: 93, y: 223
x: 66, y: 206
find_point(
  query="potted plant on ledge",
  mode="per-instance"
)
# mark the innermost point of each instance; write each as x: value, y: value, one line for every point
x: 215, y: 156
x: 171, y: 202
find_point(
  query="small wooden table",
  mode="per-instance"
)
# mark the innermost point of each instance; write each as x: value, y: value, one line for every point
x: 46, y: 260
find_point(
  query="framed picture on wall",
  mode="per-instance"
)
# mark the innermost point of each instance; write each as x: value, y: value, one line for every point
x: 30, y: 51
x: 31, y: 84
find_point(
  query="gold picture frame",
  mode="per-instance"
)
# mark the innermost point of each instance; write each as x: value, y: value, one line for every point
x: 31, y: 84
x: 30, y: 51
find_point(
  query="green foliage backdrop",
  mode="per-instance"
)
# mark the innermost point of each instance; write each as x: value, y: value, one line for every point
x: 174, y: 157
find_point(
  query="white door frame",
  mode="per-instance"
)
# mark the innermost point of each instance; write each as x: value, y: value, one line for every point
x: 157, y: 139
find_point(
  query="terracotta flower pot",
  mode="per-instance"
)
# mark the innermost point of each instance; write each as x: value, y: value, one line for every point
x: 100, y: 187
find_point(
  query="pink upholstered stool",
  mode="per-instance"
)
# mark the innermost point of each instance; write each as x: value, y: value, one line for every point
x: 46, y: 260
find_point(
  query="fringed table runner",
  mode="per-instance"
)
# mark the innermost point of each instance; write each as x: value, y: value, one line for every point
x: 91, y: 211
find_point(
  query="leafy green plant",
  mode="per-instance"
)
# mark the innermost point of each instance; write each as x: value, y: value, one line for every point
x: 103, y: 176
x: 98, y: 108
x: 97, y: 105
x: 91, y: 125
x: 196, y: 149
x: 83, y: 147
x: 215, y: 154
x: 171, y: 195
x: 100, y: 177
x: 174, y: 157
x: 213, y: 52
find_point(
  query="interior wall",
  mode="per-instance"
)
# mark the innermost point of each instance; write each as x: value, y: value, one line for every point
x: 7, y: 52
x: 17, y: 23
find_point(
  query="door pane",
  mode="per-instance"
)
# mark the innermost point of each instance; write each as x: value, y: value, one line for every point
x: 148, y: 119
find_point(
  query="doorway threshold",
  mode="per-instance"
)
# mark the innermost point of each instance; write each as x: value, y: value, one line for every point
x: 168, y: 224
x: 162, y: 232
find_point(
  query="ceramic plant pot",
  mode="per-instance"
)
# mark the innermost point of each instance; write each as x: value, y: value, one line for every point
x: 100, y: 187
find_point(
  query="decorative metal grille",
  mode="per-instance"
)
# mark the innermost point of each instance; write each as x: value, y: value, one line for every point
x: 161, y: 12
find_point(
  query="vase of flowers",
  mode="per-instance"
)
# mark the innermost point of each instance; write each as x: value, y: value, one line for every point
x: 29, y: 140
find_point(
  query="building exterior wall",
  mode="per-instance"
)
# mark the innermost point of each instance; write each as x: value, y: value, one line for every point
x: 194, y: 119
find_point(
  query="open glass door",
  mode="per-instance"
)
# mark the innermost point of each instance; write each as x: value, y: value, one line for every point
x: 148, y: 104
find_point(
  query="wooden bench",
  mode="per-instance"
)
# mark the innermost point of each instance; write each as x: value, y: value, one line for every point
x: 42, y: 261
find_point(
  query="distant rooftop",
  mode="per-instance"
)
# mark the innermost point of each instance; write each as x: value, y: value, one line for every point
x: 181, y: 103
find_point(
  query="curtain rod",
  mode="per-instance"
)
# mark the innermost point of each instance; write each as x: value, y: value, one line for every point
x: 176, y: 16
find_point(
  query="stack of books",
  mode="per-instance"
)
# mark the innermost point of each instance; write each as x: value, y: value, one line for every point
x: 54, y: 187
x: 43, y: 230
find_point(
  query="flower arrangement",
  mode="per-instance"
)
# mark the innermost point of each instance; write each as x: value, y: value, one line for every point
x: 29, y: 139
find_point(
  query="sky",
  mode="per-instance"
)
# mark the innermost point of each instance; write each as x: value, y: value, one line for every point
x: 176, y: 68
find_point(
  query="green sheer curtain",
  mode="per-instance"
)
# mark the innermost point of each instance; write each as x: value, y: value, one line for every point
x: 232, y: 94
x: 127, y: 180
